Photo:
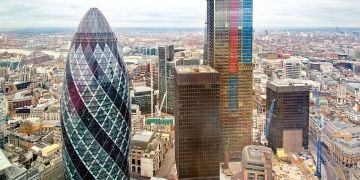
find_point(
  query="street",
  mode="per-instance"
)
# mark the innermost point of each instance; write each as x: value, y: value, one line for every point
x: 332, y: 170
x: 167, y: 166
x: 326, y: 170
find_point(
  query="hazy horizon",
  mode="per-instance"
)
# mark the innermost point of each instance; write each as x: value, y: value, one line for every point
x: 175, y: 13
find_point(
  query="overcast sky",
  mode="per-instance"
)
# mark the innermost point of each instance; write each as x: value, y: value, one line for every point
x: 176, y: 13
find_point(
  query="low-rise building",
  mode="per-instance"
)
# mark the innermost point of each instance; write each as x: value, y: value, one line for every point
x: 343, y: 141
x: 10, y: 170
x: 51, y: 116
x: 257, y: 163
x: 20, y: 99
x: 146, y: 154
x: 50, y: 167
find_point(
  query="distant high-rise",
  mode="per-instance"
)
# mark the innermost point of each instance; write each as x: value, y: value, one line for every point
x: 28, y: 73
x: 229, y: 28
x: 166, y: 77
x: 292, y: 69
x: 197, y: 122
x: 95, y: 104
x: 141, y: 95
x: 289, y: 127
x: 209, y: 39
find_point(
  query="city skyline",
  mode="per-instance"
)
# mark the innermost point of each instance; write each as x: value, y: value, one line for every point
x: 179, y: 89
x: 174, y: 13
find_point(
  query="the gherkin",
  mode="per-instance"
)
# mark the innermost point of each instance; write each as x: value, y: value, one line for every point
x: 95, y: 104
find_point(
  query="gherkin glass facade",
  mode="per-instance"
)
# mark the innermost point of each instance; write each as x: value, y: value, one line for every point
x: 95, y: 104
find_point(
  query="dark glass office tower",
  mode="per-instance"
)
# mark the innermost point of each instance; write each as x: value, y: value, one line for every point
x: 197, y: 122
x: 95, y: 104
x: 231, y: 34
x: 289, y: 127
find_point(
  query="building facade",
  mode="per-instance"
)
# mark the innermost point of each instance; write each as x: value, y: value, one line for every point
x: 292, y: 69
x: 231, y: 35
x: 167, y: 66
x: 141, y: 96
x: 257, y: 163
x: 289, y: 127
x: 27, y: 73
x: 197, y: 122
x: 95, y: 104
x: 147, y: 154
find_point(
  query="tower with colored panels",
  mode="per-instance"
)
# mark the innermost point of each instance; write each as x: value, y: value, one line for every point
x: 95, y: 115
x: 232, y: 58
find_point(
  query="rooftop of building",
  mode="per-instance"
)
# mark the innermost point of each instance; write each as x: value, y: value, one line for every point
x: 353, y: 129
x: 143, y: 136
x: 289, y: 82
x: 350, y: 147
x: 146, y: 141
x: 139, y: 89
x: 195, y: 69
x: 94, y: 22
x: 11, y: 171
x: 288, y: 85
x: 255, y: 154
x: 354, y: 85
x: 4, y: 161
x: 22, y: 95
x: 169, y: 121
x: 48, y: 150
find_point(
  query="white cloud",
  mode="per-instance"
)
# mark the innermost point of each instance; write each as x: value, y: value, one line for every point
x: 174, y: 13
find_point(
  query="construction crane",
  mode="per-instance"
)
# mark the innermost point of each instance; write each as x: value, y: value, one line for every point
x: 158, y: 109
x: 319, y: 127
x: 265, y: 136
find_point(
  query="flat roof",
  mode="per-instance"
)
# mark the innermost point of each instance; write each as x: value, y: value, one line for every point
x: 4, y: 161
x: 20, y: 96
x: 289, y: 82
x: 143, y: 136
x: 46, y: 150
x: 353, y: 129
x: 289, y: 85
x: 354, y: 85
x: 255, y: 153
x: 142, y: 89
x: 195, y: 69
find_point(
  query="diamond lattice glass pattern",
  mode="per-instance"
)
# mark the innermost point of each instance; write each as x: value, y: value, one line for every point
x: 95, y: 104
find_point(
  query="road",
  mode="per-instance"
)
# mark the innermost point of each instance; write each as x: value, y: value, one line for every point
x: 332, y: 169
x: 326, y: 171
x: 338, y: 171
x: 167, y: 166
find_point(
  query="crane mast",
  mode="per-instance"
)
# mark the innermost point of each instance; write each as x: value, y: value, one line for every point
x: 265, y: 136
x: 319, y: 126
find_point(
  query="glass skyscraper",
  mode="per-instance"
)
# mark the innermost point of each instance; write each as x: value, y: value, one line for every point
x: 95, y: 104
x: 229, y: 34
x: 166, y: 77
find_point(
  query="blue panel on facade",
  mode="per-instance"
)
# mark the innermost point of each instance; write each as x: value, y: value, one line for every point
x: 233, y: 94
x: 247, y: 31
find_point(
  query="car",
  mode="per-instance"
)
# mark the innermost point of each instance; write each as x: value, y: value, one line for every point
x: 324, y: 161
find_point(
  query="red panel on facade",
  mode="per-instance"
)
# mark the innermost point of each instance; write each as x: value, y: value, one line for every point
x: 234, y: 36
